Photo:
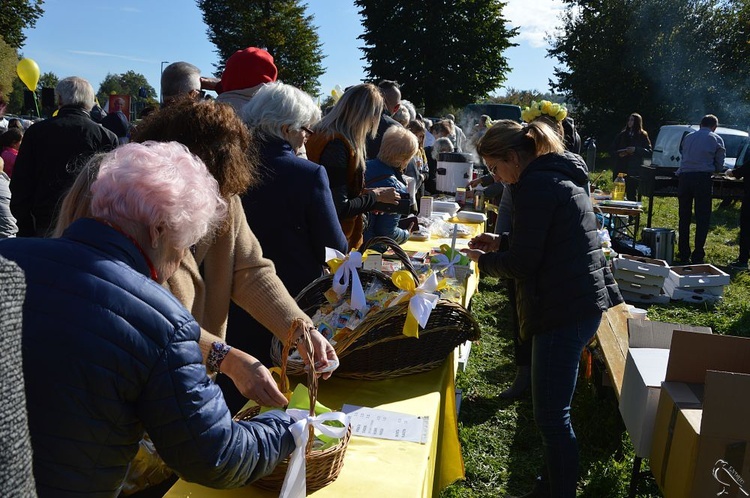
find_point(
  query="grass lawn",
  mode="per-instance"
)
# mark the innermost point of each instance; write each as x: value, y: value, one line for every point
x: 501, y: 446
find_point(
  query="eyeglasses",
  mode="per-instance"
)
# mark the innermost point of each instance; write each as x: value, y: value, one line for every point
x: 307, y: 130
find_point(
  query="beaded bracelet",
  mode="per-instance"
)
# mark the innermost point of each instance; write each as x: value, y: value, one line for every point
x: 216, y: 355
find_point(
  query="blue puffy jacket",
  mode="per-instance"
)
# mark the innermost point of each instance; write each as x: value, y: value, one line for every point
x: 379, y: 174
x: 107, y: 354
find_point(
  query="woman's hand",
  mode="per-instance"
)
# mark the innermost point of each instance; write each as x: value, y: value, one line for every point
x: 323, y: 353
x: 485, y: 242
x: 473, y: 254
x: 252, y: 378
x: 475, y: 182
x: 387, y: 195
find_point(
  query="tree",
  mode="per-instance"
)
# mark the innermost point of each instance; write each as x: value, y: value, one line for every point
x: 279, y: 26
x: 446, y: 53
x: 15, y: 16
x: 8, y: 63
x: 129, y: 83
x: 47, y: 80
x: 659, y: 58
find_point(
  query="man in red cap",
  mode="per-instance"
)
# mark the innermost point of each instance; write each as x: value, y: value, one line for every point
x: 244, y: 72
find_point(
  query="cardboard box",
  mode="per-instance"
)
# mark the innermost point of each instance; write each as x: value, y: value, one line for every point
x: 688, y: 295
x: 697, y: 276
x: 702, y: 429
x: 645, y: 370
x: 710, y: 291
x: 632, y: 297
x: 622, y: 275
x: 648, y: 290
x: 639, y: 264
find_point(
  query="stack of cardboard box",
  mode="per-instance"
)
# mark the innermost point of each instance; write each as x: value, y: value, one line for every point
x: 645, y: 370
x: 696, y: 283
x: 641, y: 280
x: 701, y: 435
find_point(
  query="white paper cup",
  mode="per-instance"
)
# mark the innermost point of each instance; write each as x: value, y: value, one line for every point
x: 638, y: 313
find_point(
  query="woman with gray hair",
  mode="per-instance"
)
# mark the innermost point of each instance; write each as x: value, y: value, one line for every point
x: 281, y: 117
x: 295, y: 190
x: 108, y: 353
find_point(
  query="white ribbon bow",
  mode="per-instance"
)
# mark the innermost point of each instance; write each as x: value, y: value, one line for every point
x: 423, y: 301
x: 442, y: 262
x: 295, y: 481
x: 343, y: 272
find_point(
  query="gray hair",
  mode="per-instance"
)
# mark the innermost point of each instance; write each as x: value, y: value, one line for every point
x: 276, y: 105
x: 402, y: 115
x: 409, y: 107
x: 180, y: 78
x: 441, y: 145
x: 75, y: 91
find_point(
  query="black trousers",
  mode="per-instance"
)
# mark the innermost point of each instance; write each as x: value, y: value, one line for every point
x: 693, y: 188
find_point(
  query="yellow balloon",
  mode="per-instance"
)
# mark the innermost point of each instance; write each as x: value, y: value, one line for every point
x: 28, y: 71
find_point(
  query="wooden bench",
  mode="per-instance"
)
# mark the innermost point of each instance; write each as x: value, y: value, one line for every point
x: 613, y: 341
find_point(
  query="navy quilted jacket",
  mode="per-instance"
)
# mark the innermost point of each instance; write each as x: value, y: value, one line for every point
x: 107, y: 354
x: 554, y: 258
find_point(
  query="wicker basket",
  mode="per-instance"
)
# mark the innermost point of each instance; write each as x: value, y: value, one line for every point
x: 377, y: 348
x: 322, y: 466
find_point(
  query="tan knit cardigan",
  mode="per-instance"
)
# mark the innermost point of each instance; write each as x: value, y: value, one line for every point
x: 233, y: 267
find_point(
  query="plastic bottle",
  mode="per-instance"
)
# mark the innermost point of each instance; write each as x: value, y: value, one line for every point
x: 618, y: 192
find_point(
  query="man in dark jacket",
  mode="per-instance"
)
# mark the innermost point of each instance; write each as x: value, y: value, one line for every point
x: 51, y: 154
x: 392, y: 98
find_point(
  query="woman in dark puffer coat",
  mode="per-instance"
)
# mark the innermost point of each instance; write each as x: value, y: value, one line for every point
x: 562, y: 281
x: 108, y: 353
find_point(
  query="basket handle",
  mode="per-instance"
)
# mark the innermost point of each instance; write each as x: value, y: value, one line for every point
x: 312, y: 378
x: 397, y: 249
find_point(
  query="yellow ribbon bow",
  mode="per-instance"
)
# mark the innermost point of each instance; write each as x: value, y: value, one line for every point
x: 421, y: 300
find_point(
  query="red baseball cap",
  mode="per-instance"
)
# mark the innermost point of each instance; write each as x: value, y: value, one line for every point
x: 248, y: 68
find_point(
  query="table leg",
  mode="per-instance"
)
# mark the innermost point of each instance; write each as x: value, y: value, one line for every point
x: 635, y: 476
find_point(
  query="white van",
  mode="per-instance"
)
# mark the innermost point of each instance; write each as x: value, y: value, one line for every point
x: 667, y: 146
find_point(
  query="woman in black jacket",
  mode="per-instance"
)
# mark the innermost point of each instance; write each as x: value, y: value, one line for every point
x: 561, y: 278
x: 631, y: 147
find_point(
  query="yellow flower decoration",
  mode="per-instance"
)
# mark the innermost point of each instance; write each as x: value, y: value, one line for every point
x: 536, y: 109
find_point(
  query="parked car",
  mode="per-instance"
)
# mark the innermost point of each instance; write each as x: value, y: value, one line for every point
x: 669, y: 141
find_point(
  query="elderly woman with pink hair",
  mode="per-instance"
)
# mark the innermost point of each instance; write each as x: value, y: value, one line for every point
x: 108, y: 353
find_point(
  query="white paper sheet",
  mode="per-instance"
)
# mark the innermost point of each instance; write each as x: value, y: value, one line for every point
x: 383, y: 424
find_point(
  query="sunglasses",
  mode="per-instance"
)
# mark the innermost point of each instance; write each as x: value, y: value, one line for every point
x: 307, y: 130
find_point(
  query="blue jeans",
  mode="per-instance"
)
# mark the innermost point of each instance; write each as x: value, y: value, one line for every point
x: 554, y: 370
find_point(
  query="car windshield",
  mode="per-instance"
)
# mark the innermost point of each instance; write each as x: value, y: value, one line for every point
x: 733, y: 144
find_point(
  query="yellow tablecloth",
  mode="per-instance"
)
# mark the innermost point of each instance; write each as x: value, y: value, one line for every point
x: 378, y: 467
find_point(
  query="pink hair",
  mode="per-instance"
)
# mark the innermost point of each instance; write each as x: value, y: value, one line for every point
x: 158, y: 184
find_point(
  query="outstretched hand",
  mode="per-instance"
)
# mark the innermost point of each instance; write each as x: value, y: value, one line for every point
x: 485, y: 242
x: 252, y: 379
x: 324, y: 356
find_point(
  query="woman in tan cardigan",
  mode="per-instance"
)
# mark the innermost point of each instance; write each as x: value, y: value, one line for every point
x: 228, y: 265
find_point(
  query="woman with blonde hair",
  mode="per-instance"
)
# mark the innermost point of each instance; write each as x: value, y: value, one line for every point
x: 338, y: 144
x: 562, y: 281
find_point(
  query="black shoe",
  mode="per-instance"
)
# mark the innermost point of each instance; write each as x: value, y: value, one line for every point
x: 520, y: 384
x: 698, y: 261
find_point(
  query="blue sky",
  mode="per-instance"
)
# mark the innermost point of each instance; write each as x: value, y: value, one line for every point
x: 90, y: 38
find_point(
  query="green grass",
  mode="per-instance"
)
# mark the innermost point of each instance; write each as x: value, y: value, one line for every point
x: 502, y: 447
